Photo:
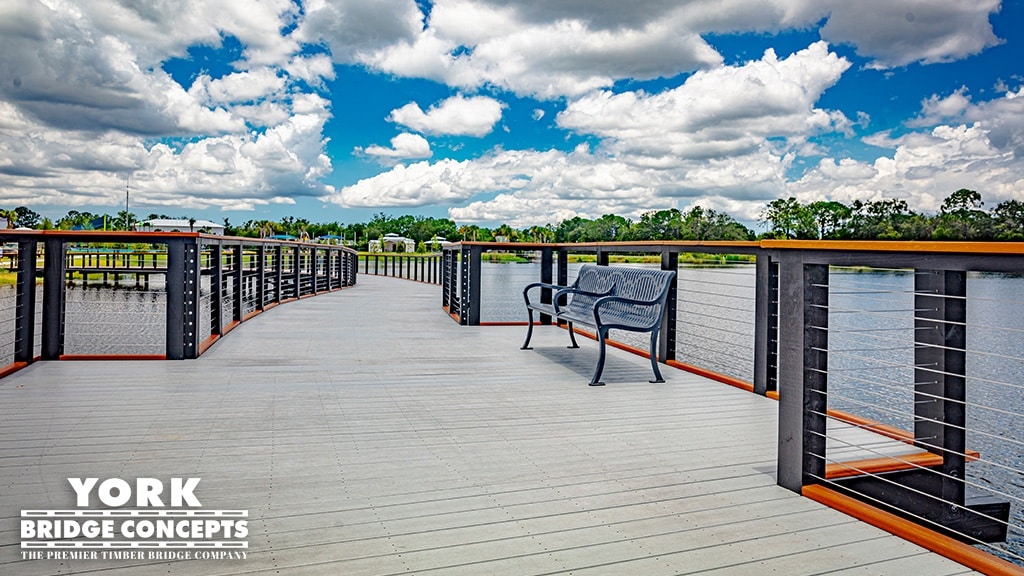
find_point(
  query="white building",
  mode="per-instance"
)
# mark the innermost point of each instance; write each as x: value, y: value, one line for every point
x: 437, y: 242
x: 390, y: 242
x: 167, y: 225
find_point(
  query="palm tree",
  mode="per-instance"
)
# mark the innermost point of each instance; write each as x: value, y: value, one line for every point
x: 11, y: 216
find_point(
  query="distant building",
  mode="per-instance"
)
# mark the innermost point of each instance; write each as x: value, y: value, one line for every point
x: 167, y: 225
x: 390, y: 243
x: 437, y: 242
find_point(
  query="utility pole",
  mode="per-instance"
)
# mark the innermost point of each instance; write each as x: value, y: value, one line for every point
x: 127, y: 218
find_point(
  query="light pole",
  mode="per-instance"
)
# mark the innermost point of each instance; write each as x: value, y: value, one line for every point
x: 127, y: 218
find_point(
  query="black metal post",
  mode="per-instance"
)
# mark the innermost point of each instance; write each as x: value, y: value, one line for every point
x: 939, y: 359
x: 446, y: 283
x: 261, y: 276
x: 238, y: 281
x: 470, y: 286
x: 216, y: 290
x: 312, y: 268
x: 815, y: 370
x: 333, y: 268
x: 546, y: 263
x: 191, y: 299
x: 667, y: 335
x: 297, y: 269
x: 175, y: 323
x: 53, y: 298
x: 803, y: 337
x: 562, y: 273
x: 278, y: 273
x: 766, y: 324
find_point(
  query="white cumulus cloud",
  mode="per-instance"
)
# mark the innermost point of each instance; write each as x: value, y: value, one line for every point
x: 985, y: 153
x: 457, y: 116
x: 727, y: 111
x: 403, y: 147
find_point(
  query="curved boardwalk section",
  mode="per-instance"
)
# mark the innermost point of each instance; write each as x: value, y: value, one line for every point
x: 366, y: 433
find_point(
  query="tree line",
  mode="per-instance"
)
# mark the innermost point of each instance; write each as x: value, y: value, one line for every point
x: 961, y: 217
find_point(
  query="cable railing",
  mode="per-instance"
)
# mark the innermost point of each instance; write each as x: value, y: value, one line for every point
x: 924, y: 347
x: 715, y: 327
x: 899, y: 367
x: 148, y: 294
x: 406, y: 265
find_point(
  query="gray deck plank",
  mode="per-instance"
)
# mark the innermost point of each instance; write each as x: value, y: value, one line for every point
x: 366, y: 433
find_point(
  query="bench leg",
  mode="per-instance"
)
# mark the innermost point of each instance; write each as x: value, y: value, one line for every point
x: 654, y: 358
x: 529, y: 331
x: 572, y: 335
x: 602, y: 333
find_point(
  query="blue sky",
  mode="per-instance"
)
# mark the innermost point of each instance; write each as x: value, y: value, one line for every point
x: 491, y: 112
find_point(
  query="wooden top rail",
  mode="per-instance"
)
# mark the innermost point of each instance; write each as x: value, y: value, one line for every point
x: 94, y: 236
x: 932, y: 247
x: 745, y: 247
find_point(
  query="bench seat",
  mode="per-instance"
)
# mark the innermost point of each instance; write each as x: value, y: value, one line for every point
x: 606, y: 298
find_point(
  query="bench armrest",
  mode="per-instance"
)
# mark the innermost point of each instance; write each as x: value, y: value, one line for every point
x: 554, y: 287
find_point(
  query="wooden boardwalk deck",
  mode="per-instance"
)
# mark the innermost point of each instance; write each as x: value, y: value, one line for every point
x: 366, y: 433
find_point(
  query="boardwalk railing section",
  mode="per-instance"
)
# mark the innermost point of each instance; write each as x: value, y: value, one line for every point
x: 899, y: 368
x: 410, y: 266
x: 147, y: 294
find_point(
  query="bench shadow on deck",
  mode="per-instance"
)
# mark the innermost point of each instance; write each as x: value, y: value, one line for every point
x: 366, y: 433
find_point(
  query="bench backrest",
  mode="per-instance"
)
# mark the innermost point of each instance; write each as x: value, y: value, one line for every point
x: 627, y: 281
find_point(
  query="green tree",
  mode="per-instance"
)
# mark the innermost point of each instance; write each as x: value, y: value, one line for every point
x: 887, y: 219
x: 357, y: 233
x: 506, y: 232
x: 961, y: 217
x: 607, y: 228
x: 1008, y: 220
x: 658, y: 225
x: 474, y: 233
x: 124, y: 221
x: 81, y: 220
x: 788, y: 218
x: 380, y: 225
x: 571, y: 230
x: 540, y: 233
x: 707, y: 224
x: 422, y: 229
x: 830, y: 218
x: 26, y: 217
x: 11, y: 216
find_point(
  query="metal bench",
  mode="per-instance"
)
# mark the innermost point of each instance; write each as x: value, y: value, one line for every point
x: 605, y: 298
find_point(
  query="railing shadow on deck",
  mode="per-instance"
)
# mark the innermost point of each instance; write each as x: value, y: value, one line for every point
x: 899, y: 396
x: 149, y: 295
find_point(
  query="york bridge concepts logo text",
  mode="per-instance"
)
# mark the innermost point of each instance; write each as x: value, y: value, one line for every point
x: 144, y: 520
